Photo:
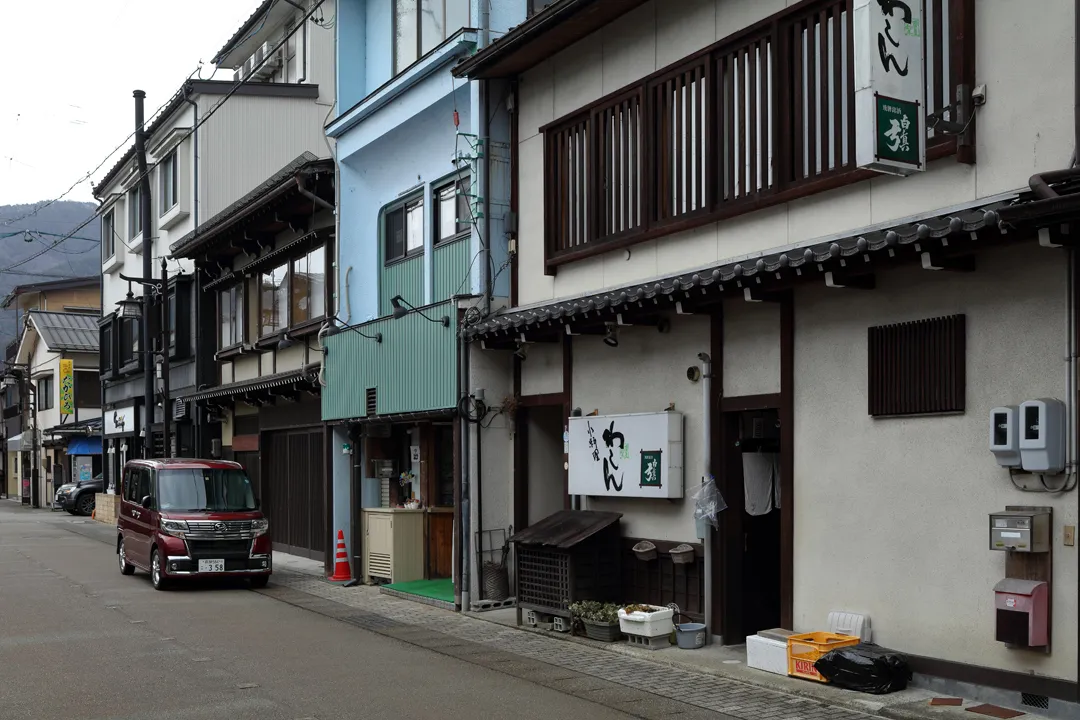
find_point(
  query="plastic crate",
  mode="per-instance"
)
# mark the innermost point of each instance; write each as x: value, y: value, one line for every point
x: 805, y: 649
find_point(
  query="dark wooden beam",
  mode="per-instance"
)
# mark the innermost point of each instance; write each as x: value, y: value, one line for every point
x: 938, y: 261
x: 843, y: 280
x: 758, y: 295
x: 541, y: 400
x: 744, y: 403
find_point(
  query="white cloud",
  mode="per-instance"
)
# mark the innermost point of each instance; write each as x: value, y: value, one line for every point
x: 70, y: 67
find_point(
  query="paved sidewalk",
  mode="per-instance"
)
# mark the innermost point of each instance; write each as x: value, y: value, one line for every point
x: 635, y: 685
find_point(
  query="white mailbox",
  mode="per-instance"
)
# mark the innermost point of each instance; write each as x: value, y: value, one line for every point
x: 637, y: 455
x: 1042, y: 435
x: 1004, y: 438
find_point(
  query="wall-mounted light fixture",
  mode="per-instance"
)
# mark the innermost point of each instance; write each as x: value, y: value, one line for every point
x: 403, y: 307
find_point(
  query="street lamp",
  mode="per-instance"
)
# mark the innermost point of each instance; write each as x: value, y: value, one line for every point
x: 402, y: 307
x: 130, y: 307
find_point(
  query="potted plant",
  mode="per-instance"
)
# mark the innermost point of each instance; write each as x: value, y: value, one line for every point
x: 601, y: 620
x: 647, y: 621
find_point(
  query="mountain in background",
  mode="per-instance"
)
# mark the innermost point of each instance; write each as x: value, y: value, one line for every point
x: 76, y: 257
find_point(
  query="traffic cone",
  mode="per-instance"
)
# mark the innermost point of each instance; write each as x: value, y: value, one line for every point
x: 342, y: 573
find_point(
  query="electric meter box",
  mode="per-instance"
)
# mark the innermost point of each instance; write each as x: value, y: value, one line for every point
x: 1042, y: 436
x: 1026, y: 531
x: 1005, y: 436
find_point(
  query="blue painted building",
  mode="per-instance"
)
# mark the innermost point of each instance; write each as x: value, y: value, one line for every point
x: 423, y: 213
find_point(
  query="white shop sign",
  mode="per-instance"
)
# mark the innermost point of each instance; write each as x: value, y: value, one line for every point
x: 637, y: 455
x: 890, y: 90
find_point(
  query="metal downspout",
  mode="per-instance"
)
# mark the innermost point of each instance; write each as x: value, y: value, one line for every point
x: 707, y: 419
x: 200, y: 441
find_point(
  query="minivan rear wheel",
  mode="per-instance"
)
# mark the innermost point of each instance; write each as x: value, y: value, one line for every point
x: 157, y: 574
x: 259, y: 581
x: 125, y: 567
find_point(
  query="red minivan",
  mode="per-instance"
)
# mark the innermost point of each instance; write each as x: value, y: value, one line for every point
x: 182, y: 518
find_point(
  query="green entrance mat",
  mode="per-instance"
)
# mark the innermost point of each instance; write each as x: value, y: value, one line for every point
x: 435, y: 589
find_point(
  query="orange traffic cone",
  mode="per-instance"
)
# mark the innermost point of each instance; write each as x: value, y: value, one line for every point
x: 341, y: 561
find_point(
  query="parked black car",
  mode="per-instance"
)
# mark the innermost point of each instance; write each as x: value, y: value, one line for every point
x: 78, y: 497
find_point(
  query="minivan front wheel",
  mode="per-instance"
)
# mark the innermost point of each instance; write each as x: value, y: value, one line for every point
x: 157, y: 575
x: 125, y: 567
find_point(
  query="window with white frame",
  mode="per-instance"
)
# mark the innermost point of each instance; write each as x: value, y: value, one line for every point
x: 231, y: 315
x: 108, y: 235
x: 134, y: 212
x: 421, y: 25
x: 404, y: 230
x: 168, y: 180
x: 45, y: 400
x: 452, y: 213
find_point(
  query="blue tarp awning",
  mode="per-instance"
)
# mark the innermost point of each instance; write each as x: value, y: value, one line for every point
x: 84, y: 445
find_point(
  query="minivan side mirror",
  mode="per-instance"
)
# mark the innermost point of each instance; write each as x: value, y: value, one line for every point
x: 147, y: 502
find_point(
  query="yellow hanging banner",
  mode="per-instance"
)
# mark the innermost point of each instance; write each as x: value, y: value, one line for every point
x: 67, y: 387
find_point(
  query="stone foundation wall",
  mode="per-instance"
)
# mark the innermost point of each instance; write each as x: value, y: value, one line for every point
x: 106, y: 508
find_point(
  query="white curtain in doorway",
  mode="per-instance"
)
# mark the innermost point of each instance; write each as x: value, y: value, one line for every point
x: 761, y: 482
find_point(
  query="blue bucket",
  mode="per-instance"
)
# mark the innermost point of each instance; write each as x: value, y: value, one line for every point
x: 690, y: 636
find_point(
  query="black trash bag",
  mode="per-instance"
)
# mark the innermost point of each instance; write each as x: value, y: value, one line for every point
x: 865, y: 667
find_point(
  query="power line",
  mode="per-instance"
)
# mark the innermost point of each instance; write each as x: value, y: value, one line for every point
x: 7, y: 222
x: 210, y: 113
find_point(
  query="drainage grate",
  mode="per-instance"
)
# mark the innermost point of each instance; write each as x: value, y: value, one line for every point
x: 1035, y: 701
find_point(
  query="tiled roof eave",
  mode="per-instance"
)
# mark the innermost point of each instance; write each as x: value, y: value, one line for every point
x: 752, y: 269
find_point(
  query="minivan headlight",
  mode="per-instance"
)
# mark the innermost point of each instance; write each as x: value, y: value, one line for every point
x: 260, y: 526
x: 176, y: 528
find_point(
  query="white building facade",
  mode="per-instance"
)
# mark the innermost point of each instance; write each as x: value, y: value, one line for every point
x: 212, y: 143
x: 687, y: 186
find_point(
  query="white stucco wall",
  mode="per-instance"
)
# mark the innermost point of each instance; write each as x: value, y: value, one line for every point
x: 891, y: 514
x: 751, y: 348
x: 646, y: 373
x: 542, y: 371
x: 491, y: 370
x: 1025, y: 127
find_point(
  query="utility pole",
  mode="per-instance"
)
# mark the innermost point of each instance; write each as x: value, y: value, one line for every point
x: 165, y: 330
x: 148, y: 271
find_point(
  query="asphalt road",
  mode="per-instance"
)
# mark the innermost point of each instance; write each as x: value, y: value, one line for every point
x: 78, y: 640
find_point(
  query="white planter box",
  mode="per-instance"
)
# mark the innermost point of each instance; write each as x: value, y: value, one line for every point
x: 766, y: 654
x: 647, y: 624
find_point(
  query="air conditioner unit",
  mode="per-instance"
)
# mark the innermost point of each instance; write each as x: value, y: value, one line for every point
x: 249, y: 64
x: 237, y: 76
x: 260, y: 53
x: 272, y: 60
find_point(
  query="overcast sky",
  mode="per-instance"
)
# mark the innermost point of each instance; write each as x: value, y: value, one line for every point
x: 69, y: 69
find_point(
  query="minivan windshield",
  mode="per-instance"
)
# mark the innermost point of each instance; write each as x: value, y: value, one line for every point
x: 198, y: 489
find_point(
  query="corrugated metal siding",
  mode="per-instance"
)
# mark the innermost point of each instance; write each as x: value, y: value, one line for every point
x: 404, y: 278
x: 267, y: 132
x: 413, y: 369
x: 450, y: 267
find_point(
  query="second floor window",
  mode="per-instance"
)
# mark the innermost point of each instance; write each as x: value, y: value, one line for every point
x: 274, y: 301
x: 231, y: 304
x: 421, y: 25
x: 129, y: 340
x: 405, y: 230
x: 106, y: 347
x: 167, y: 173
x: 108, y: 235
x: 134, y: 213
x: 172, y: 320
x: 45, y: 398
x: 308, y: 287
x: 87, y: 389
x: 452, y: 213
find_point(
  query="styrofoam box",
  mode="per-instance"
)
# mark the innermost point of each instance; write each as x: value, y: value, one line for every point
x: 766, y: 654
x: 652, y: 624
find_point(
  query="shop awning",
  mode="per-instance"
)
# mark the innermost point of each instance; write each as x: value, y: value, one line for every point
x: 309, y: 375
x: 90, y: 445
x: 14, y: 443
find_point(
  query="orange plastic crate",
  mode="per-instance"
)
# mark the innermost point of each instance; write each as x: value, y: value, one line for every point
x: 805, y: 649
